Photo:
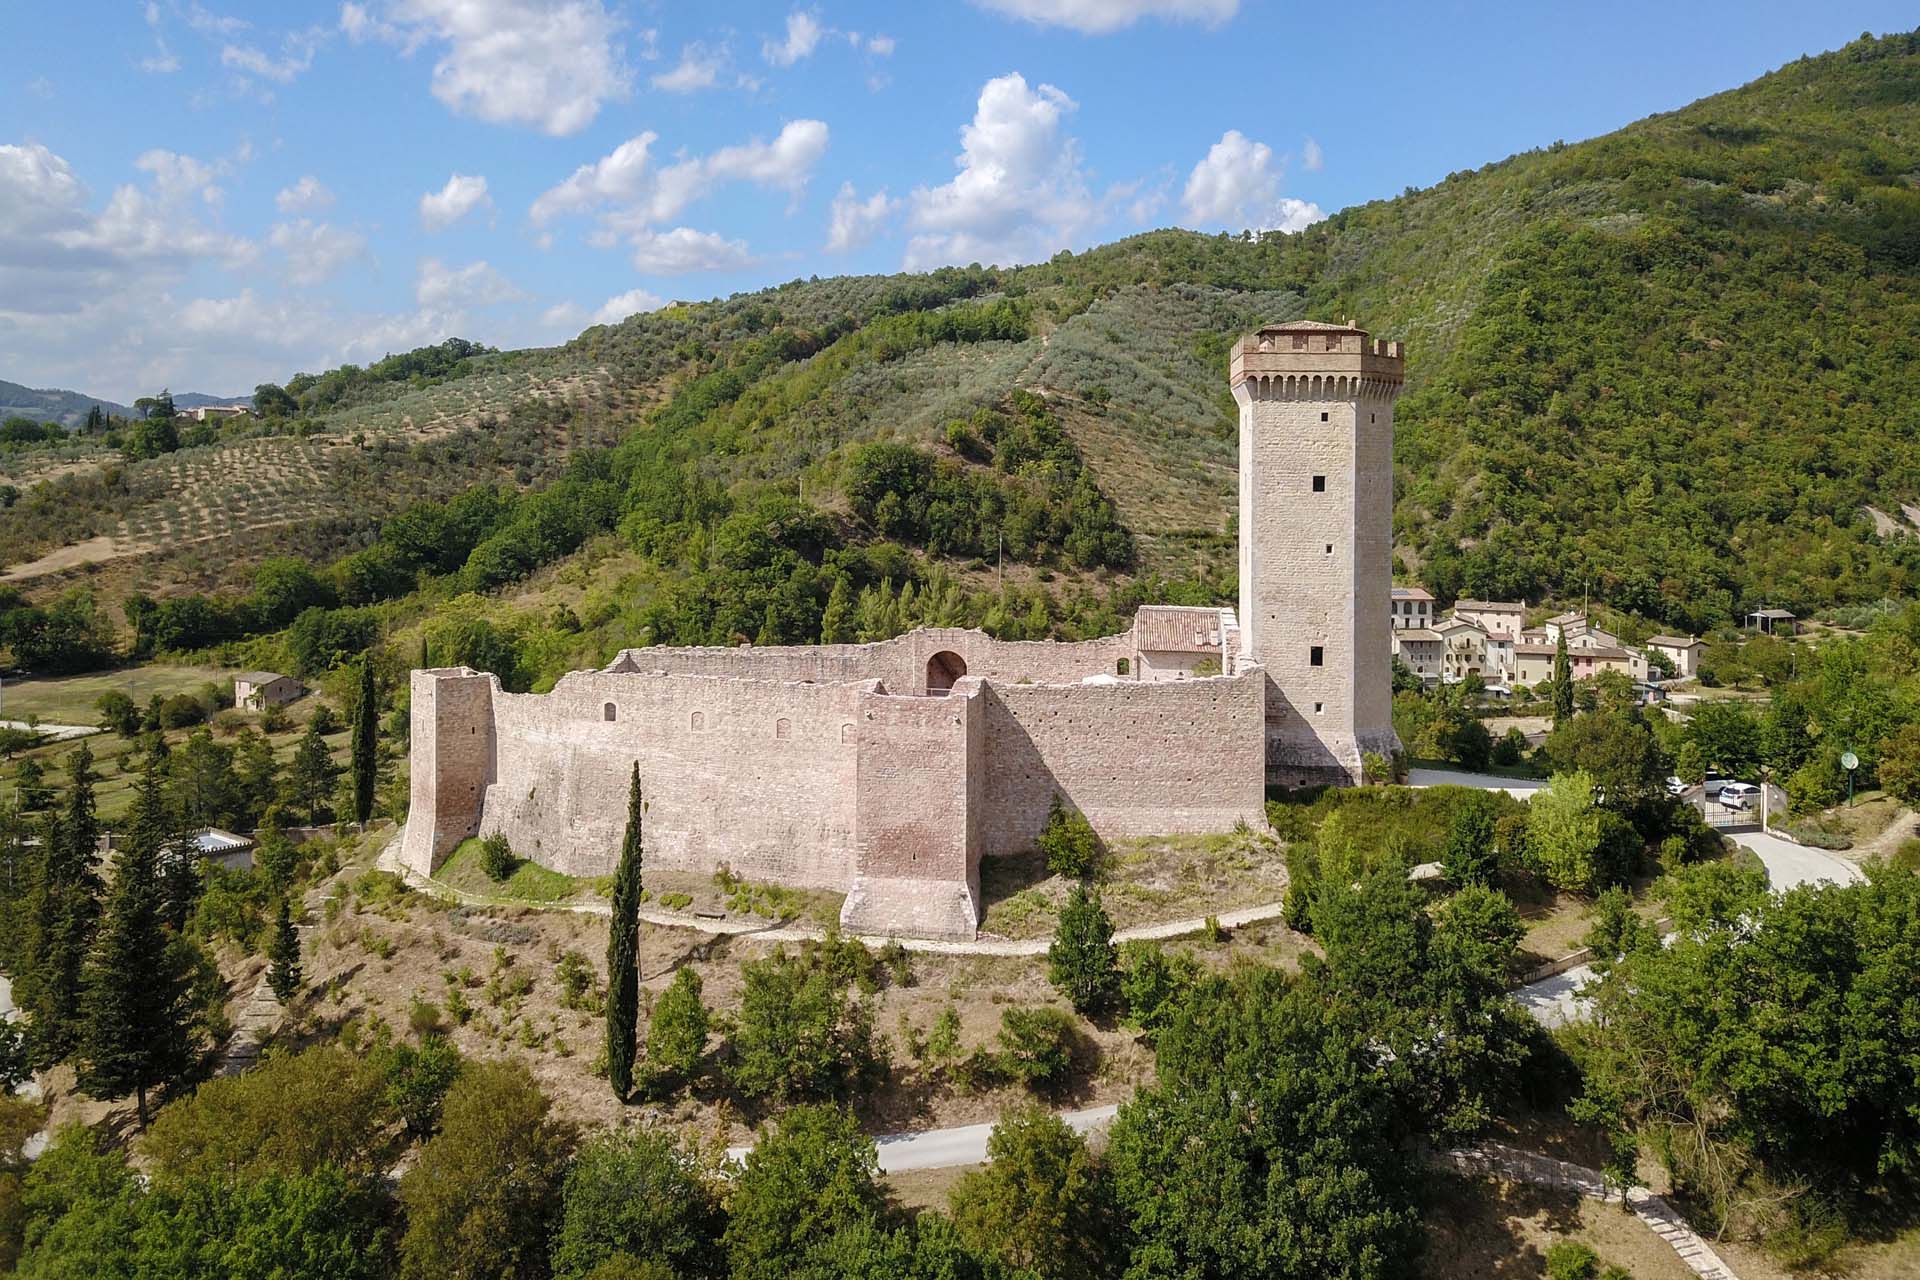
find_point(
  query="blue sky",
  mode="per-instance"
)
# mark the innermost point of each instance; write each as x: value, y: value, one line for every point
x: 205, y: 194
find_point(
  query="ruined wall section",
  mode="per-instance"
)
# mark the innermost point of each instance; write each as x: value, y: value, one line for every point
x: 916, y: 825
x: 1137, y: 758
x: 452, y: 761
x: 758, y: 775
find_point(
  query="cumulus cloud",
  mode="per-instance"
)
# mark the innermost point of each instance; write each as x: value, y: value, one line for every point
x: 1312, y: 158
x: 803, y: 36
x: 457, y: 288
x: 684, y: 250
x: 177, y: 177
x: 460, y: 197
x: 1236, y: 185
x: 1021, y: 193
x: 1098, y: 17
x: 569, y: 316
x: 205, y: 21
x: 551, y: 66
x: 314, y: 251
x: 855, y: 221
x: 699, y: 68
x: 305, y: 196
x: 631, y: 196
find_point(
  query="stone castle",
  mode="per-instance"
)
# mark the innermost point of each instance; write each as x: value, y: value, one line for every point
x: 888, y: 770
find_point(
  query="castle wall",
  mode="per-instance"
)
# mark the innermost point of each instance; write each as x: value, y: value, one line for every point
x: 759, y: 775
x: 1136, y: 759
x: 900, y: 663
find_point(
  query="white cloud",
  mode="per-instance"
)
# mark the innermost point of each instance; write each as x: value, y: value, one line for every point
x: 855, y: 221
x: 632, y: 194
x: 699, y: 68
x: 1236, y: 185
x: 460, y: 197
x: 1312, y: 158
x: 549, y: 64
x: 683, y: 250
x: 570, y: 317
x: 1020, y: 194
x: 177, y: 177
x: 208, y: 23
x: 457, y: 288
x: 315, y: 250
x: 296, y: 56
x: 880, y: 46
x: 304, y: 196
x: 803, y: 34
x: 161, y: 61
x: 1098, y: 17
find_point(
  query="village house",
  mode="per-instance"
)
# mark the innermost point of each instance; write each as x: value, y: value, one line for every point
x: 1421, y: 651
x: 1495, y: 617
x: 1683, y: 653
x: 1412, y: 609
x: 258, y: 690
x: 1772, y: 622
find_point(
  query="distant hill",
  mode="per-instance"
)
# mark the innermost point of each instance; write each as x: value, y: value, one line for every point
x: 69, y: 408
x: 1669, y: 368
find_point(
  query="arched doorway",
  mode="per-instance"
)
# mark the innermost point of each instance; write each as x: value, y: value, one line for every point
x: 943, y: 669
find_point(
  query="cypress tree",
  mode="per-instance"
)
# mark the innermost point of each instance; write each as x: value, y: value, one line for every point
x: 1562, y: 682
x: 137, y: 1030
x: 283, y: 955
x: 64, y: 912
x: 623, y: 951
x: 366, y: 726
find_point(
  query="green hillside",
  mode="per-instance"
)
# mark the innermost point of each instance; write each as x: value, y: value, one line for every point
x: 1669, y: 368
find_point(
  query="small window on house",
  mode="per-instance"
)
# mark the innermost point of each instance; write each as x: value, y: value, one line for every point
x: 1316, y: 656
x: 1299, y: 342
x: 1333, y: 342
x: 1319, y: 484
x: 1323, y: 417
x: 783, y: 728
x: 609, y: 713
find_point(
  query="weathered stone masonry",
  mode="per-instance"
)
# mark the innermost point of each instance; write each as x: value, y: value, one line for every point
x: 889, y: 770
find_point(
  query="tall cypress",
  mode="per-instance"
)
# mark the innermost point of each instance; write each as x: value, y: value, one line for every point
x: 64, y: 912
x: 366, y: 726
x: 137, y: 1027
x: 1562, y: 681
x: 623, y: 951
x: 283, y: 954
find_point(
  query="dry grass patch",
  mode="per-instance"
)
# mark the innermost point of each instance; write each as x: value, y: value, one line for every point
x: 1485, y: 1229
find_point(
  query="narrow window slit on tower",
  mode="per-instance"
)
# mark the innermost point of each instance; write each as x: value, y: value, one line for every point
x: 1316, y: 656
x: 1319, y: 484
x: 1323, y: 417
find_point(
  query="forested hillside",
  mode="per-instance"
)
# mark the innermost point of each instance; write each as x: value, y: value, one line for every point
x: 1670, y: 367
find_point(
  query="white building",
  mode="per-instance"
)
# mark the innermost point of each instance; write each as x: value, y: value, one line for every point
x: 1412, y: 609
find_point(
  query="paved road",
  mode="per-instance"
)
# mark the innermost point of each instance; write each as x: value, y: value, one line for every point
x: 1791, y: 865
x: 53, y: 732
x: 1519, y: 788
x: 1554, y: 1002
x: 953, y: 1148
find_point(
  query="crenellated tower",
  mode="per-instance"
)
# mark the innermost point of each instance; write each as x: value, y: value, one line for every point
x: 1316, y: 541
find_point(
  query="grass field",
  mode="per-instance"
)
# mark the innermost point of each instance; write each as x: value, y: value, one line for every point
x: 529, y: 882
x: 71, y: 699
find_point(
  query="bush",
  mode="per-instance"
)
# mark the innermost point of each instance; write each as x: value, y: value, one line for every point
x: 801, y: 1033
x: 1036, y: 1045
x: 417, y: 1081
x: 637, y: 1195
x: 1152, y: 982
x: 677, y: 1032
x: 1080, y: 962
x: 496, y: 857
x: 1571, y: 1260
x: 1068, y: 842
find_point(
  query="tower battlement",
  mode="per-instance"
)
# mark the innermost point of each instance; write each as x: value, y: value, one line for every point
x: 1312, y: 348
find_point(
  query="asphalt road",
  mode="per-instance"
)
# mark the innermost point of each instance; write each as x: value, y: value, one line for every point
x: 1519, y: 788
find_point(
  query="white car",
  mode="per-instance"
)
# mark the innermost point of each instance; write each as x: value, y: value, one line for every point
x: 1712, y: 784
x: 1676, y: 786
x: 1739, y: 795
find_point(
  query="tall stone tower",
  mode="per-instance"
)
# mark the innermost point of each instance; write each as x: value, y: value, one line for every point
x: 1316, y: 542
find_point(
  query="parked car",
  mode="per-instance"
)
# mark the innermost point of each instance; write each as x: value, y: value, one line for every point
x: 1713, y: 784
x: 1739, y: 795
x: 1675, y: 786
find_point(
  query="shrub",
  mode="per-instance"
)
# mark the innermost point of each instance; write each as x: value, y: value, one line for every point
x: 1068, y: 842
x: 1080, y: 963
x: 632, y: 1196
x: 417, y: 1081
x: 1036, y: 1045
x: 496, y: 857
x: 1152, y: 982
x: 1571, y: 1260
x: 677, y: 1032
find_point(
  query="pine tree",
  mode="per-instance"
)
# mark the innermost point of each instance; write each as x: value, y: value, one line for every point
x: 623, y: 951
x: 1562, y: 682
x: 366, y: 742
x: 1081, y: 960
x: 283, y: 955
x: 424, y: 652
x: 836, y: 623
x: 311, y: 780
x: 63, y: 914
x: 137, y: 1032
